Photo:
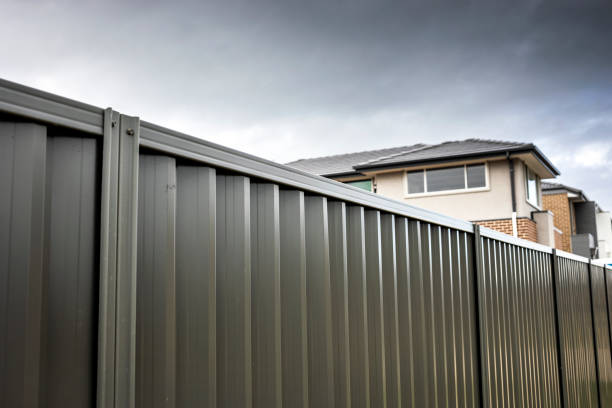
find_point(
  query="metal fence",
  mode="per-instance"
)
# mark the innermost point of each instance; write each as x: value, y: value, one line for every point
x: 145, y: 268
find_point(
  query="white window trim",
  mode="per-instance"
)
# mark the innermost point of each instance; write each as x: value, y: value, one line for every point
x: 466, y: 190
x: 538, y: 187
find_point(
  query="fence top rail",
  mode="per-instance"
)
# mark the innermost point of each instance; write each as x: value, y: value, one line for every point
x: 509, y: 239
x: 573, y: 257
x: 46, y: 107
x: 599, y: 263
x: 166, y: 140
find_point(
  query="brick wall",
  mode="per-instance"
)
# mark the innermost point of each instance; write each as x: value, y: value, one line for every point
x: 559, y: 205
x: 504, y: 225
x: 526, y: 227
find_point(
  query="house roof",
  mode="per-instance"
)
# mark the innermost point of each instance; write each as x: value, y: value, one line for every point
x: 343, y: 164
x: 551, y: 188
x: 356, y: 163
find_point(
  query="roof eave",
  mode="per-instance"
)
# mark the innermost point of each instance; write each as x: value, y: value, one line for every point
x: 544, y: 160
x: 561, y: 188
x: 490, y: 153
x: 342, y: 174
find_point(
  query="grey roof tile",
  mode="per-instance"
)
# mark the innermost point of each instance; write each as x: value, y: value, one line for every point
x: 550, y: 186
x: 352, y: 162
x: 343, y: 163
x: 447, y: 149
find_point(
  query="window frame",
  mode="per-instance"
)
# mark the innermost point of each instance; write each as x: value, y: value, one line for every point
x: 466, y: 189
x: 537, y: 204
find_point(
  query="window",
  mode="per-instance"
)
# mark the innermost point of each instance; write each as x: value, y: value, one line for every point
x: 464, y: 177
x: 363, y: 184
x: 475, y: 176
x: 416, y: 182
x: 451, y: 178
x: 532, y: 181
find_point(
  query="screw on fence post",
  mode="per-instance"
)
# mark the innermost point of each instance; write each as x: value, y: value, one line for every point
x: 555, y: 283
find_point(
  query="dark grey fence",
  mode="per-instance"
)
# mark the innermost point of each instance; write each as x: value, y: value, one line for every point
x: 49, y: 217
x: 142, y: 267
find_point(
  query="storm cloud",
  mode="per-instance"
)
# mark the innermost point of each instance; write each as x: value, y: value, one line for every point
x: 292, y: 79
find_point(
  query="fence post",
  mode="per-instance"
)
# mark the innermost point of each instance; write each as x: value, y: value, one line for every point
x: 477, y: 308
x: 593, y: 323
x: 555, y: 283
x: 605, y: 273
x: 118, y: 236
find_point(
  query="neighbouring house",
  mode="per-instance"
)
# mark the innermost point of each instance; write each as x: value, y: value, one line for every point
x: 581, y: 226
x: 493, y: 183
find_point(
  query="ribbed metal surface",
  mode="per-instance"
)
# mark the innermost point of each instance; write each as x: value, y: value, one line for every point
x: 608, y: 283
x: 436, y: 315
x: 48, y: 267
x: 250, y: 295
x: 602, y: 334
x: 156, y: 305
x: 575, y: 325
x: 229, y: 281
x: 196, y: 289
x: 339, y: 293
x: 519, y: 356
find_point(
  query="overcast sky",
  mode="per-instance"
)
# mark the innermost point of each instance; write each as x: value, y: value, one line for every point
x: 291, y: 79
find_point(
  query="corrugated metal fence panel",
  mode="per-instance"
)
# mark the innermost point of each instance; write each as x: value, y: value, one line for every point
x: 294, y: 330
x: 357, y: 301
x: 258, y: 296
x: 156, y: 305
x: 519, y: 357
x: 575, y: 325
x: 339, y: 294
x: 49, y: 267
x: 266, y: 295
x: 70, y: 301
x: 234, y: 353
x: 196, y: 290
x: 390, y: 311
x: 608, y: 283
x: 255, y: 294
x: 376, y: 351
x: 436, y: 316
x: 318, y: 297
x: 602, y: 334
x: 435, y: 353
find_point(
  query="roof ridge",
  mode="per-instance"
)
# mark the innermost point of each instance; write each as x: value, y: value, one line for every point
x: 476, y: 139
x: 417, y: 149
x: 352, y: 153
x: 408, y: 149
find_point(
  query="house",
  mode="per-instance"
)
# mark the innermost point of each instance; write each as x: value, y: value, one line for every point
x: 493, y: 183
x: 582, y: 227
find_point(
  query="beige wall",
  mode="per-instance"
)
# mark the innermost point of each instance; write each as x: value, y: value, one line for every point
x: 545, y: 227
x: 494, y: 203
x: 481, y: 205
x: 604, y: 234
